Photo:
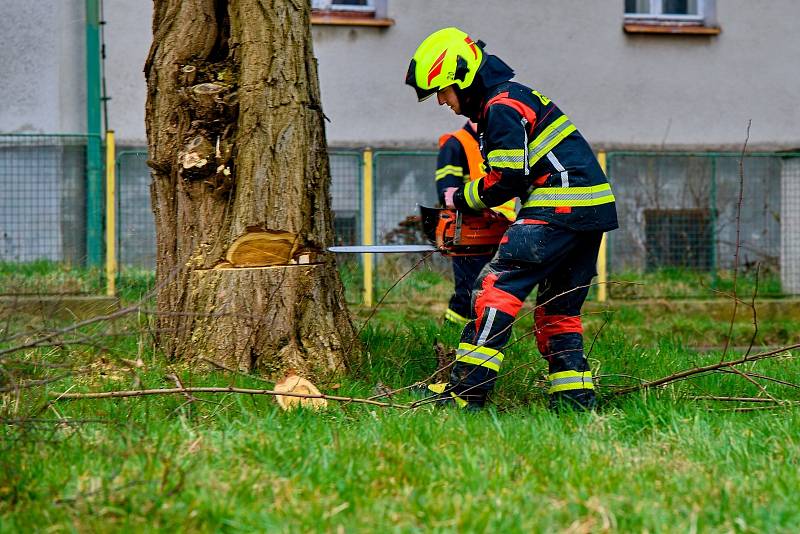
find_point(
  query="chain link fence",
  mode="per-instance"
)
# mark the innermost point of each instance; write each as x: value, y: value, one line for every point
x: 682, y: 224
x: 136, y: 231
x: 346, y: 201
x: 43, y: 206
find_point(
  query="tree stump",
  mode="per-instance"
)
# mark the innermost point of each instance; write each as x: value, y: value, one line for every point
x: 267, y: 319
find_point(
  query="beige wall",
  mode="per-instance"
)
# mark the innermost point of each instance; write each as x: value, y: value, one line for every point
x: 621, y: 90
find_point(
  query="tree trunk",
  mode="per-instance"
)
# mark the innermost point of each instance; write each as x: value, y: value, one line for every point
x: 237, y: 147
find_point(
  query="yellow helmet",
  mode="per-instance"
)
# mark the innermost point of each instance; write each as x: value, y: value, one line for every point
x: 446, y: 57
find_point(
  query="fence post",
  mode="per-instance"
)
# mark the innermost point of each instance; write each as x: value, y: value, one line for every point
x: 602, y: 255
x: 94, y: 155
x: 111, y: 216
x: 367, y: 224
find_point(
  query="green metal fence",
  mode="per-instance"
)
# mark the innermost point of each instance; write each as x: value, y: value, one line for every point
x: 136, y: 231
x: 684, y: 223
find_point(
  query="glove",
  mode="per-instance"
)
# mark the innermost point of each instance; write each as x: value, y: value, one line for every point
x: 448, y: 196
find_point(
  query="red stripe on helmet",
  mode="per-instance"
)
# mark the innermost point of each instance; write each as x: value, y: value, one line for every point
x: 472, y: 46
x: 436, y: 68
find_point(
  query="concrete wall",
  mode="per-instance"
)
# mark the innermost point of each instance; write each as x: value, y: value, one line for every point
x: 621, y: 90
x: 44, y: 74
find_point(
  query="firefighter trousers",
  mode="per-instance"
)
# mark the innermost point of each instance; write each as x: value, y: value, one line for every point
x: 561, y: 262
x: 465, y: 271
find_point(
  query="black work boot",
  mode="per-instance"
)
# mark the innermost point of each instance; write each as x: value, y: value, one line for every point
x: 577, y: 400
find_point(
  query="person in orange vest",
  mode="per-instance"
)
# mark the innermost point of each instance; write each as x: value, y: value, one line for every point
x: 460, y: 161
x: 533, y: 151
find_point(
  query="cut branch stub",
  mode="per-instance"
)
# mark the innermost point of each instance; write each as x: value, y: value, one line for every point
x: 188, y: 72
x: 263, y: 248
x: 196, y: 154
x: 206, y: 97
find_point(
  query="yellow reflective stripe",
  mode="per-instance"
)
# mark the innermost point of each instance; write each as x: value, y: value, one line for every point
x: 569, y: 380
x: 439, y: 387
x: 506, y: 159
x: 449, y: 170
x: 471, y: 195
x: 507, y: 209
x: 570, y: 196
x: 454, y: 317
x: 549, y: 138
x: 480, y: 356
x: 461, y: 403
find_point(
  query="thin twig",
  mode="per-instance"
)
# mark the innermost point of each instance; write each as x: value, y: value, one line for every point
x: 738, y: 240
x: 201, y: 389
x: 735, y: 399
x: 681, y: 375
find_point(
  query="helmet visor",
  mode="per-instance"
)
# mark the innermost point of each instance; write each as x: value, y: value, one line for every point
x: 411, y: 79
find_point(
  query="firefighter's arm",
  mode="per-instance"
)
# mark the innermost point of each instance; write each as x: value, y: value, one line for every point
x: 505, y: 147
x: 451, y: 165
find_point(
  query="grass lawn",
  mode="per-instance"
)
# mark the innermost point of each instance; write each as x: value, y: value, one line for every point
x: 661, y: 461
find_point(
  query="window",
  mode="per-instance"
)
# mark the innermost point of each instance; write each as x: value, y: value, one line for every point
x: 365, y: 6
x: 670, y: 16
x: 350, y: 12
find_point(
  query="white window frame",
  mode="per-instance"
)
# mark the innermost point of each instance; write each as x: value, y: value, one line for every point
x: 705, y: 14
x: 328, y: 5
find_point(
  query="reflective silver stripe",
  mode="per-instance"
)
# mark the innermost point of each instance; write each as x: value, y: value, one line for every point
x: 471, y: 195
x: 464, y: 354
x: 571, y: 380
x: 567, y: 195
x: 548, y: 139
x: 559, y: 167
x: 487, y: 326
x: 525, y: 145
x: 516, y: 161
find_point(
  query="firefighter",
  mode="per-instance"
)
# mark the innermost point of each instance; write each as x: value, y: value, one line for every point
x: 460, y: 161
x: 532, y: 151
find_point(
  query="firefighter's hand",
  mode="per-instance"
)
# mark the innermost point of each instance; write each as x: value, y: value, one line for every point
x: 448, y: 196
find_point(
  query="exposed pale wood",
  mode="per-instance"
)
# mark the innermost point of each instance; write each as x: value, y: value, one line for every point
x: 297, y: 384
x: 258, y: 249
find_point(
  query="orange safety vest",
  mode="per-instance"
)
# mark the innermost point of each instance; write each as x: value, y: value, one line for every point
x: 475, y: 163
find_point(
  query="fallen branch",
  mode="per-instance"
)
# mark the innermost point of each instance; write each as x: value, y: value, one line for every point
x: 703, y: 369
x: 739, y: 399
x: 182, y: 391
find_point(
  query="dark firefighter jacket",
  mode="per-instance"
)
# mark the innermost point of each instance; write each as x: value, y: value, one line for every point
x: 534, y: 152
x: 460, y: 161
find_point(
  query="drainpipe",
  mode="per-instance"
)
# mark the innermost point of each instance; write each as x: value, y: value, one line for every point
x: 94, y: 161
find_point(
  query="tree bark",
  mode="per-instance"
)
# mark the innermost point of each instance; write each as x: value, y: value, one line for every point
x: 237, y: 147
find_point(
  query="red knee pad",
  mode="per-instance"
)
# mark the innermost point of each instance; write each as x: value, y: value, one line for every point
x: 492, y: 297
x: 547, y: 326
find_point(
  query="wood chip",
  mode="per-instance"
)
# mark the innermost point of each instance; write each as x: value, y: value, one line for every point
x: 297, y: 384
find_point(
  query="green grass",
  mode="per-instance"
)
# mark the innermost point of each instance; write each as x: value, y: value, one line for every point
x: 677, y: 283
x: 656, y: 462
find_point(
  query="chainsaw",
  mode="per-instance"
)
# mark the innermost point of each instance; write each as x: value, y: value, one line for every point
x: 450, y: 232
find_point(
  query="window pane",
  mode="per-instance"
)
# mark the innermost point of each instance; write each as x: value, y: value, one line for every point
x: 637, y: 6
x: 350, y: 2
x: 680, y: 7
